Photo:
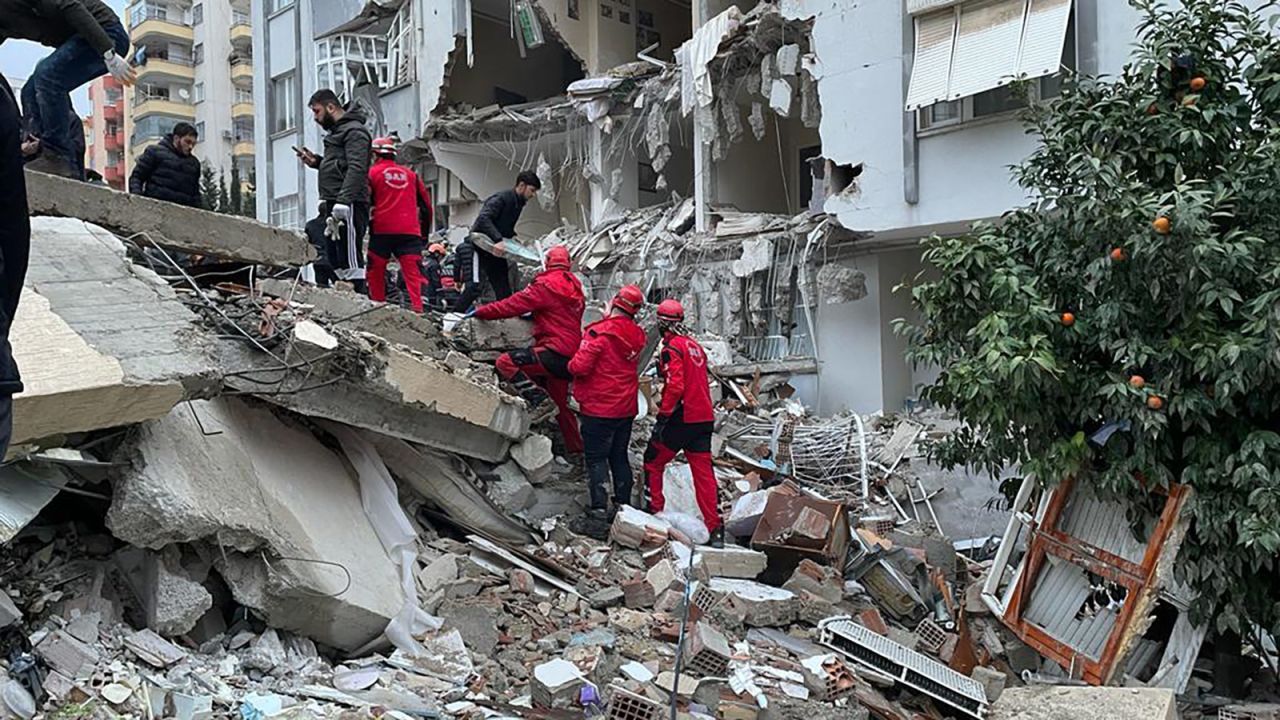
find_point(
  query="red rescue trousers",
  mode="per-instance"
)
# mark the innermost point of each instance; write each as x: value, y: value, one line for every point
x: 695, y: 440
x: 550, y: 371
x: 408, y: 250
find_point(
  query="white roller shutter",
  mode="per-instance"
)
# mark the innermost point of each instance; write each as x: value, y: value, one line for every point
x: 986, y: 51
x: 931, y: 68
x: 1043, y: 36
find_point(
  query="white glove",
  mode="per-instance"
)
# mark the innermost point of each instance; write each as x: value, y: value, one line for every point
x: 119, y: 68
x: 341, y: 212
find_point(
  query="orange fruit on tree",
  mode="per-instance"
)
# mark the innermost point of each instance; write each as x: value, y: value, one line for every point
x: 1137, y: 381
x: 1198, y: 83
x: 1118, y: 254
x: 1162, y: 225
x: 1068, y: 319
x: 1152, y: 109
x: 1155, y: 402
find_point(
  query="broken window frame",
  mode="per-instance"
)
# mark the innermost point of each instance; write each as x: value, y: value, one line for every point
x: 1030, y: 37
x: 1046, y: 539
x: 401, y: 65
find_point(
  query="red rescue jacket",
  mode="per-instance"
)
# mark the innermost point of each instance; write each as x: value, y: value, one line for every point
x: 605, y: 377
x: 555, y: 298
x: 683, y: 367
x: 395, y: 193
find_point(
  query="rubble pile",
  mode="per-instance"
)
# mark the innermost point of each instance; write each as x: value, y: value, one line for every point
x: 292, y: 503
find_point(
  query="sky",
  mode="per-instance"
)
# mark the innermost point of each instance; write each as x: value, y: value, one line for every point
x: 18, y: 57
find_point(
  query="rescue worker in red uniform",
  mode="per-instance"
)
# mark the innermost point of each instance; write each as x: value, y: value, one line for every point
x: 556, y: 301
x: 395, y: 193
x: 686, y: 419
x: 606, y: 384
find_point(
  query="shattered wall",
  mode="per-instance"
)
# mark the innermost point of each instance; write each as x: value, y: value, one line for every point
x: 543, y: 73
x: 863, y: 49
x: 761, y: 175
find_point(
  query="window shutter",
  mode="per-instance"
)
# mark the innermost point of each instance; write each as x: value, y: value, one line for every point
x: 931, y: 67
x: 1042, y: 39
x: 986, y: 52
x: 916, y: 7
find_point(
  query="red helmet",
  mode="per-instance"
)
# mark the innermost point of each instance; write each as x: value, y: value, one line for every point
x: 384, y: 146
x: 558, y: 258
x: 435, y: 249
x: 629, y: 299
x: 671, y: 310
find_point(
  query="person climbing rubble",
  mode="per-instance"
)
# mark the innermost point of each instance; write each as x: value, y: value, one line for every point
x: 338, y: 231
x: 606, y: 385
x: 556, y: 301
x: 686, y: 419
x: 397, y: 196
x: 474, y: 265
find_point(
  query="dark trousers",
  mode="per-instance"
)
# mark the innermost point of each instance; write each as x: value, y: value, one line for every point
x: 479, y: 267
x: 605, y: 442
x: 340, y: 258
x: 46, y: 96
x: 549, y: 370
x: 15, y: 246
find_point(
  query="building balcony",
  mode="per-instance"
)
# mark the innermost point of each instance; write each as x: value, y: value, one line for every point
x: 111, y: 112
x: 244, y: 148
x: 158, y: 70
x: 113, y: 141
x: 161, y: 30
x: 242, y: 72
x: 242, y: 35
x: 113, y: 174
x: 142, y: 107
x: 242, y: 109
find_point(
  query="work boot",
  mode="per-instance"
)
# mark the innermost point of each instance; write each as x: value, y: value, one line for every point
x: 717, y: 538
x: 594, y: 523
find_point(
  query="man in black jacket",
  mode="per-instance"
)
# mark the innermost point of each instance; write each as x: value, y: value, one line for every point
x: 496, y: 223
x: 168, y: 171
x: 344, y: 190
x: 89, y: 42
x: 15, y: 244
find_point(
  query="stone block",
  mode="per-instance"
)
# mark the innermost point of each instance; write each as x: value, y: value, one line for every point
x: 746, y: 513
x: 759, y: 605
x: 1072, y: 703
x: 731, y: 562
x: 817, y: 580
x: 661, y: 577
x: 993, y: 681
x: 638, y: 593
x: 509, y: 489
x: 635, y: 528
x: 66, y: 655
x: 534, y: 456
x: 555, y: 684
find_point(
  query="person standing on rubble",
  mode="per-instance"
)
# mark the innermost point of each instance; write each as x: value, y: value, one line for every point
x: 344, y: 190
x: 606, y: 384
x: 686, y: 419
x: 496, y: 223
x: 556, y: 300
x: 89, y: 41
x: 397, y: 195
x: 15, y: 246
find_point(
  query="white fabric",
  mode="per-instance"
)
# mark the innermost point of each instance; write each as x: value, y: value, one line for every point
x: 398, y: 538
x: 697, y: 52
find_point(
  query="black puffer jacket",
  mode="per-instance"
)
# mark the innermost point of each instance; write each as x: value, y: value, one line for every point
x: 165, y: 174
x: 344, y: 167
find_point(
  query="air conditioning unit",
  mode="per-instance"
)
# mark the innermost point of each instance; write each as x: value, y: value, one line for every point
x: 226, y: 135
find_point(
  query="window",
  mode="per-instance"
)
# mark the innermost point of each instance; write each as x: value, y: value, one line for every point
x: 198, y: 92
x: 197, y: 14
x: 239, y: 17
x: 200, y: 131
x: 142, y: 12
x: 278, y: 5
x: 242, y: 129
x: 284, y: 103
x: 197, y: 54
x: 1001, y: 99
x: 981, y: 45
x: 284, y: 212
x: 243, y: 95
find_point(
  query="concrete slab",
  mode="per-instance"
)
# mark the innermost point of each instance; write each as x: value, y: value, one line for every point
x: 349, y: 310
x: 298, y: 546
x: 1096, y: 703
x: 101, y: 342
x: 173, y: 226
x: 396, y: 392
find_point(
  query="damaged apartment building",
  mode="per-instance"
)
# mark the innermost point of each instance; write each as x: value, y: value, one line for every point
x: 773, y: 165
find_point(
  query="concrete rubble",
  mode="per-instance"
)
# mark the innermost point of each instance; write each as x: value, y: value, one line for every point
x: 285, y: 502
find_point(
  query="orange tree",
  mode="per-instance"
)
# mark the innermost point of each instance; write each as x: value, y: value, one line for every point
x: 1140, y: 285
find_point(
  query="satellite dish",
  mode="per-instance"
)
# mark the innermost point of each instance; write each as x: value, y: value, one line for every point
x: 184, y: 93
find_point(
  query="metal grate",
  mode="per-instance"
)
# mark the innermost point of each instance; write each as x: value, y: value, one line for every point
x: 1249, y: 712
x: 907, y: 666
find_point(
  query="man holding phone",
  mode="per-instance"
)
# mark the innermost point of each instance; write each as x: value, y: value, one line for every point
x: 344, y: 191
